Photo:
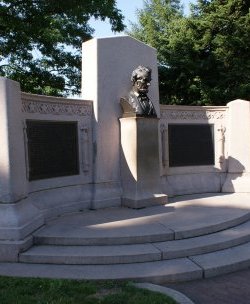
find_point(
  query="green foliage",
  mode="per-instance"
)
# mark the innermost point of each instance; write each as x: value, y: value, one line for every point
x: 43, y: 291
x: 204, y: 57
x: 40, y: 41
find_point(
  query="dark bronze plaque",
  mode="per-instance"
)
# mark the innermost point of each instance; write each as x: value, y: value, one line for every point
x: 191, y: 145
x: 52, y: 149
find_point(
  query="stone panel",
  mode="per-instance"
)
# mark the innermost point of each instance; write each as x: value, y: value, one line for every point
x: 52, y: 149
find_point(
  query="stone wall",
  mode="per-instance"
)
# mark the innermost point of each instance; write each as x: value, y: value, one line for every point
x: 196, y: 178
x: 65, y: 193
x: 26, y: 204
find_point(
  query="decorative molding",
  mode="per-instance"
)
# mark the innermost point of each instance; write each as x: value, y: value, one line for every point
x: 40, y: 104
x: 84, y: 145
x: 192, y: 115
x: 26, y: 149
x: 222, y: 139
x: 164, y: 145
x: 55, y: 108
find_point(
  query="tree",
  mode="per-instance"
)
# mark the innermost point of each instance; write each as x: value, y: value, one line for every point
x: 222, y: 33
x: 204, y: 57
x: 40, y: 41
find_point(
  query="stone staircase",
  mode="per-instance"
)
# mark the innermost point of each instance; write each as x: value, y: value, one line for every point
x: 188, y: 239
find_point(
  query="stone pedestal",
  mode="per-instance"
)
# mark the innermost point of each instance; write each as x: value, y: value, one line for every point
x: 140, y: 168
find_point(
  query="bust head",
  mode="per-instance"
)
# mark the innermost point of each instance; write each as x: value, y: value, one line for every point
x: 140, y: 79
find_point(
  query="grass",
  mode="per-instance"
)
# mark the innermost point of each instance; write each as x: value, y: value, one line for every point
x: 48, y: 291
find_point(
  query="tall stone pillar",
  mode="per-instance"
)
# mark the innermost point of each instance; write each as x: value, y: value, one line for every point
x: 106, y: 72
x: 18, y: 217
x: 13, y: 183
x: 238, y: 159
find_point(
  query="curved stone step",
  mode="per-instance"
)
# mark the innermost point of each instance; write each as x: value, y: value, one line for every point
x: 134, y: 234
x: 204, y: 244
x: 116, y: 254
x: 88, y: 255
x: 199, y: 229
x: 182, y: 269
x: 224, y: 261
x: 154, y: 272
x: 190, y: 228
x: 117, y: 226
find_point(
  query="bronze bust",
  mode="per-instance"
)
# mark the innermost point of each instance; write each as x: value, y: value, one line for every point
x: 137, y: 102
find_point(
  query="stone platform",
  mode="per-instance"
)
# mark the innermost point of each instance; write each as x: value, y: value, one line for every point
x: 190, y: 238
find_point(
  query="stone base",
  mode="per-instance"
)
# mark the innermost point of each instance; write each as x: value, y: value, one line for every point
x: 182, y: 184
x: 19, y: 220
x: 9, y: 250
x: 160, y: 199
x: 237, y: 182
x: 106, y: 194
x: 73, y: 198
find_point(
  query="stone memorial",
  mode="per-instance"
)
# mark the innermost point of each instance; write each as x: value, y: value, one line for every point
x: 115, y: 146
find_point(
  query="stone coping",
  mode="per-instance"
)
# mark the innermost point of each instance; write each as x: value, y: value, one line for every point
x: 179, y: 297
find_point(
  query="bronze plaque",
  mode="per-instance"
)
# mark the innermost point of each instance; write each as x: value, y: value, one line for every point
x: 191, y: 145
x: 52, y: 149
